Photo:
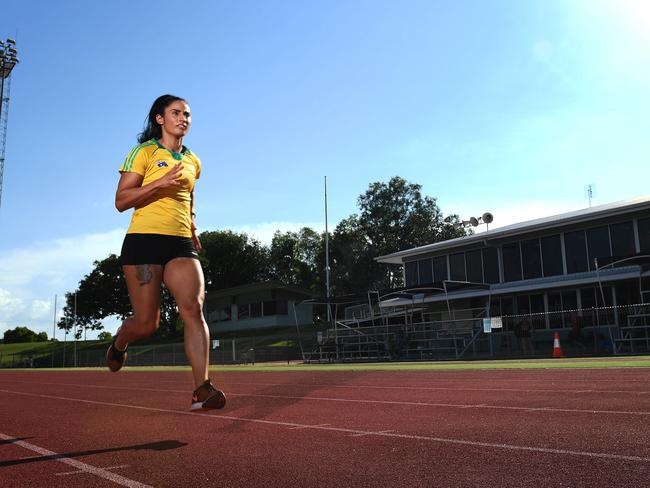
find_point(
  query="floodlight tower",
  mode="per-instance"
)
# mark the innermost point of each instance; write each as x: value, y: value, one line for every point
x: 8, y: 59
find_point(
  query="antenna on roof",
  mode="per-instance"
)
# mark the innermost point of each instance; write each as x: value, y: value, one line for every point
x: 590, y: 189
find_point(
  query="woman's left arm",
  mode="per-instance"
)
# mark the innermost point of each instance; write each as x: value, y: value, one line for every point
x: 195, y: 238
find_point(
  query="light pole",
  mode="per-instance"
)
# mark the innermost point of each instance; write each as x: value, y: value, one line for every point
x: 8, y: 60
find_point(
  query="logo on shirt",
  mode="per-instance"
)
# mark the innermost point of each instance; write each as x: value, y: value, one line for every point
x: 161, y: 164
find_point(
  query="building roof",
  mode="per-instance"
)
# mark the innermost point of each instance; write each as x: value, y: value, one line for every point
x: 257, y: 287
x: 536, y: 225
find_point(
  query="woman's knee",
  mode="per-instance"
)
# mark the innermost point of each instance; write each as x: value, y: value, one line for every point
x: 147, y: 324
x: 190, y: 310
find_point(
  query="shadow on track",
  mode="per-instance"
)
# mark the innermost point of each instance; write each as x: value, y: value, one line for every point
x: 153, y: 446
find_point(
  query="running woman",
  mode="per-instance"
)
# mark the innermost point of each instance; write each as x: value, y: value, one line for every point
x: 161, y: 246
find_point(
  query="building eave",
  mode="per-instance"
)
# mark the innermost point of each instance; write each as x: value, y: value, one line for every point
x: 537, y: 225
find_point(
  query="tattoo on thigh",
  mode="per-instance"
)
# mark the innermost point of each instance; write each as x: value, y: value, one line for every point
x: 143, y: 273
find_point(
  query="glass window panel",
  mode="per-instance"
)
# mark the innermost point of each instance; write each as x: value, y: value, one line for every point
x: 243, y: 312
x: 457, y: 266
x: 256, y: 309
x: 598, y: 244
x: 511, y: 262
x: 622, y: 240
x: 587, y: 297
x: 474, y: 266
x: 495, y: 307
x: 440, y: 268
x: 282, y: 307
x: 537, y: 303
x: 425, y: 267
x: 644, y: 234
x: 552, y: 255
x: 576, y: 252
x: 491, y: 264
x: 269, y: 308
x: 531, y: 259
x: 411, y: 273
x: 569, y: 300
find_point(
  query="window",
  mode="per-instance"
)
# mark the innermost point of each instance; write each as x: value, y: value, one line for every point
x: 552, y: 255
x: 440, y: 268
x: 644, y: 234
x: 269, y: 308
x: 511, y: 262
x: 256, y: 310
x: 411, y: 273
x: 474, y: 266
x: 576, y: 252
x: 569, y: 300
x: 425, y: 267
x: 223, y: 314
x: 622, y: 240
x: 282, y: 307
x: 531, y: 259
x: 457, y: 266
x: 598, y: 245
x: 243, y: 312
x: 491, y: 264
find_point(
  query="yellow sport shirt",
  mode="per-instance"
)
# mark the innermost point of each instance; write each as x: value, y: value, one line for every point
x: 168, y: 212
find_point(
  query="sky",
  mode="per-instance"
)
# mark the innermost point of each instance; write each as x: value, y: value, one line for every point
x: 503, y: 106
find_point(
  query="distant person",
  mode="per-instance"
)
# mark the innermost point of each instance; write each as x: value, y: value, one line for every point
x: 524, y: 332
x: 161, y: 246
x: 575, y: 334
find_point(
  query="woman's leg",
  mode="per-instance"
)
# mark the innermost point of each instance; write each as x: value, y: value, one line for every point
x: 184, y: 279
x: 143, y: 282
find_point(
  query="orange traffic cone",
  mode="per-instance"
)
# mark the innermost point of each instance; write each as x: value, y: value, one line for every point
x: 557, y: 349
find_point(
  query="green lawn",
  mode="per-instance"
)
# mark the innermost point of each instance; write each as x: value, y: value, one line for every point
x: 14, y: 353
x: 566, y: 363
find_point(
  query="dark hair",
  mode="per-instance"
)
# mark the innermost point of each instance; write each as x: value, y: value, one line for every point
x: 152, y: 128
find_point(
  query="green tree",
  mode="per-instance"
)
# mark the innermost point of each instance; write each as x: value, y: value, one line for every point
x: 23, y: 334
x: 105, y: 336
x: 297, y: 258
x: 393, y: 216
x: 231, y: 259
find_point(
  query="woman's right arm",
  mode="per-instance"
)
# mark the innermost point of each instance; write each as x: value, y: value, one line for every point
x: 130, y: 192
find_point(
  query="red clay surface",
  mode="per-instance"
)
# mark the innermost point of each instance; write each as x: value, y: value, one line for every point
x: 560, y: 428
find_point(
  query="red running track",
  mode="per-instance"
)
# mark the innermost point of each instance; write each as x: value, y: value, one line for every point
x: 570, y: 428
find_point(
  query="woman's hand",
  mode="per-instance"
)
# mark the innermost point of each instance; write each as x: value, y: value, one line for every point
x: 172, y: 177
x: 195, y: 239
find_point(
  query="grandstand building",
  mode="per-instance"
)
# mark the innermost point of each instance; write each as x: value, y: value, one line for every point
x: 581, y: 272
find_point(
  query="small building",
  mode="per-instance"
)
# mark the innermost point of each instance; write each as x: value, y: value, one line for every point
x: 257, y: 308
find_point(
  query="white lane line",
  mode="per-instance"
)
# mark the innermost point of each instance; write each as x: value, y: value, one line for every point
x: 87, y: 468
x: 442, y: 440
x: 108, y: 468
x: 380, y: 402
x: 385, y: 387
x: 311, y: 426
x: 378, y: 432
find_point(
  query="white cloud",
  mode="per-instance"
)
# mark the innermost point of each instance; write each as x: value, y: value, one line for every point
x: 263, y: 231
x: 30, y: 277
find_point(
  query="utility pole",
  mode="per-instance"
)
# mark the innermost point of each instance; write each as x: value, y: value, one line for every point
x: 327, y: 257
x: 54, y: 331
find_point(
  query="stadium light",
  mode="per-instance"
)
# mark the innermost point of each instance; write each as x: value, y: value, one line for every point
x: 8, y: 60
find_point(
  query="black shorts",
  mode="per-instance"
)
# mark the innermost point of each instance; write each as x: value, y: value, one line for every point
x: 155, y: 249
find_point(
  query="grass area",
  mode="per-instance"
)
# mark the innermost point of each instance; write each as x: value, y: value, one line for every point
x: 15, y: 353
x: 566, y: 363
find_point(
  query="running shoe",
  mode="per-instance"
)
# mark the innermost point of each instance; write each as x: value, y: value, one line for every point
x: 115, y: 358
x: 207, y: 396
